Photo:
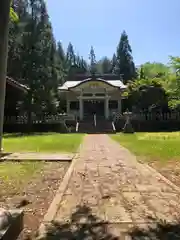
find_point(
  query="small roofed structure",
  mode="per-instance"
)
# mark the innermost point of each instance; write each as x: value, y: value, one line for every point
x: 16, y: 85
x: 14, y: 93
x: 99, y: 94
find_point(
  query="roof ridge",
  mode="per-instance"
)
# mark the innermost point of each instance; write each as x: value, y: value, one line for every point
x: 13, y: 82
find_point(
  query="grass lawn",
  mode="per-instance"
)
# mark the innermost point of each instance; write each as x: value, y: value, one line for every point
x: 51, y: 142
x: 13, y: 175
x: 152, y: 146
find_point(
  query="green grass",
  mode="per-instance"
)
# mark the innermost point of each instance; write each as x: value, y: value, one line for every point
x: 42, y: 143
x: 152, y: 146
x: 14, y: 175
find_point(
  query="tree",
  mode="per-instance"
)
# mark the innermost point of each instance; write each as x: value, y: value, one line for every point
x: 70, y: 56
x: 4, y: 23
x: 141, y: 73
x: 15, y: 46
x: 104, y: 66
x: 61, y: 62
x: 114, y: 63
x: 155, y: 69
x: 83, y: 65
x: 147, y: 94
x: 173, y: 85
x: 38, y: 59
x: 125, y: 65
x: 92, y: 58
x: 80, y: 65
x: 13, y: 15
x: 61, y: 54
x: 70, y: 61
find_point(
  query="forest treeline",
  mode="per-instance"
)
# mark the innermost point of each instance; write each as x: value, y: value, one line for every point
x: 39, y: 61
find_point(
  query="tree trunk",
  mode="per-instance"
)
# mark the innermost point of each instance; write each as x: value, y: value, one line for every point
x: 4, y: 29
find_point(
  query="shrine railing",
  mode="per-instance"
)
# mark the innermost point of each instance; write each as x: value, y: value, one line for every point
x: 23, y: 119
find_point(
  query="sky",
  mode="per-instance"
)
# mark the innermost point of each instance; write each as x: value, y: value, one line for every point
x: 152, y: 27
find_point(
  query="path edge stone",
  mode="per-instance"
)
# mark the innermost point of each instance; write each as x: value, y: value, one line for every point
x: 36, y: 156
x: 153, y: 170
x: 166, y: 180
x: 54, y: 206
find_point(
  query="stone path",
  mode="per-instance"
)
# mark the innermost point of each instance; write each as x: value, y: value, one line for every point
x: 108, y: 186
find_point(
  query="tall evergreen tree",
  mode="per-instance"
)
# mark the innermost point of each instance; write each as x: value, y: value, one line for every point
x: 37, y: 55
x: 80, y: 65
x: 61, y: 60
x: 70, y: 61
x: 92, y: 58
x: 61, y: 52
x: 141, y: 73
x: 83, y: 65
x: 104, y: 66
x: 113, y: 63
x: 70, y: 56
x: 125, y: 65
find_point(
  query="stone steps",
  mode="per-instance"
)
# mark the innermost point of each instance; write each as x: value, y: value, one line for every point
x: 103, y: 126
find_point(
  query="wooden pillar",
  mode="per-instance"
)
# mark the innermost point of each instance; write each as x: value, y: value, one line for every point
x: 119, y: 106
x: 4, y: 29
x: 67, y: 106
x: 107, y: 107
x: 81, y: 110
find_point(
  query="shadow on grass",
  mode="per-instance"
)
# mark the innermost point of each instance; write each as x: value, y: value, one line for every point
x: 83, y: 225
x: 14, y: 135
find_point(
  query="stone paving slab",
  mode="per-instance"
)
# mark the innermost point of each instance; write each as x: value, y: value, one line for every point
x: 37, y: 156
x: 108, y: 185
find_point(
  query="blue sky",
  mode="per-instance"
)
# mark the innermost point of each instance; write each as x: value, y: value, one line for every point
x: 152, y: 26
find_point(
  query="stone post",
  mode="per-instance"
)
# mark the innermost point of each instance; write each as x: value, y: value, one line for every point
x: 128, y: 126
x: 81, y: 111
x: 67, y: 106
x: 119, y: 106
x: 107, y: 108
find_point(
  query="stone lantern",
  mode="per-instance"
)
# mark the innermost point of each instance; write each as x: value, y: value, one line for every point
x: 11, y: 223
x: 128, y: 126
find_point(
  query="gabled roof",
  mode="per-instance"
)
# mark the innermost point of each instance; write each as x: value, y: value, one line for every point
x: 16, y: 84
x: 82, y: 76
x: 71, y: 84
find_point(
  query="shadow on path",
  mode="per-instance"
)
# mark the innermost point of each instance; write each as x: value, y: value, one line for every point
x: 160, y: 231
x: 83, y: 225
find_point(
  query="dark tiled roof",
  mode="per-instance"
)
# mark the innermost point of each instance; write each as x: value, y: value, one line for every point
x: 16, y: 84
x: 80, y: 77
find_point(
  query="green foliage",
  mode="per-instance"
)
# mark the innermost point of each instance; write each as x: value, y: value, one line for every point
x: 151, y: 70
x: 34, y: 59
x: 37, y: 61
x: 124, y: 64
x: 74, y: 64
x: 43, y: 143
x: 157, y: 87
x: 147, y: 94
x: 152, y: 146
x: 13, y: 15
x: 104, y: 66
x: 175, y: 63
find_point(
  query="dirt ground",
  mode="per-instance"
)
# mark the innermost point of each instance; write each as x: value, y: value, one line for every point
x: 36, y: 196
x: 170, y: 170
